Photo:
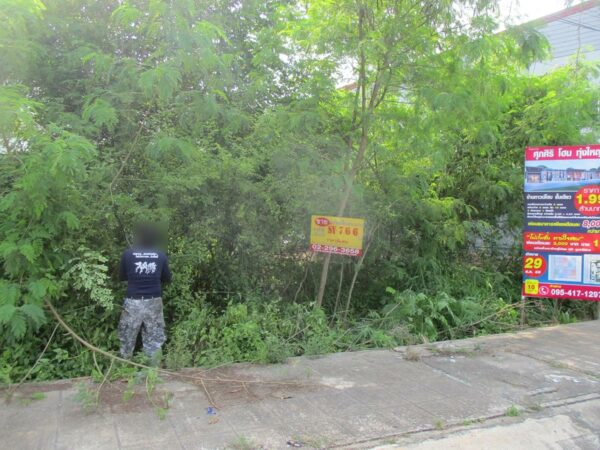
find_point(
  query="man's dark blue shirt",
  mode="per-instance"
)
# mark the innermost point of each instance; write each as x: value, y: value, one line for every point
x: 144, y: 270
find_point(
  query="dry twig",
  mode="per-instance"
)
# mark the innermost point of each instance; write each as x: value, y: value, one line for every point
x: 202, y: 380
x: 13, y: 389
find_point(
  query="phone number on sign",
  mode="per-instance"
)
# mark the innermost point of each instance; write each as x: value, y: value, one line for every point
x: 575, y: 293
x: 336, y: 250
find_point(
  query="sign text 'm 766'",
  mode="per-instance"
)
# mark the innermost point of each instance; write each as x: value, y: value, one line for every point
x: 340, y: 235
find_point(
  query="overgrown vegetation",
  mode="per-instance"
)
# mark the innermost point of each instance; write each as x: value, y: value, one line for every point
x: 226, y: 122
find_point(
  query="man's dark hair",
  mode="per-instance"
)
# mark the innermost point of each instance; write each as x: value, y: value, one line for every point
x: 146, y: 235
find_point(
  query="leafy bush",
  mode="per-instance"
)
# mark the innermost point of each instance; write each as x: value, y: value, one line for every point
x: 441, y: 316
x: 257, y: 331
x: 232, y: 133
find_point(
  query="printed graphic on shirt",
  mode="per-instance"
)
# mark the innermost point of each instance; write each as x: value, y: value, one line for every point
x: 151, y: 255
x: 145, y: 267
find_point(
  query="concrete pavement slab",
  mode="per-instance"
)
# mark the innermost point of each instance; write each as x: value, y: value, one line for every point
x: 541, y: 434
x: 86, y: 431
x: 136, y: 429
x: 346, y: 400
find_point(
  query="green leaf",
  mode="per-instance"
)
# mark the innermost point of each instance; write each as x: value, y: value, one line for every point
x: 28, y: 251
x: 171, y: 146
x: 8, y: 201
x: 6, y: 313
x: 101, y: 113
x: 34, y: 313
x: 163, y: 80
x: 208, y: 31
x: 70, y: 220
x: 18, y: 324
x: 8, y: 247
x: 9, y: 293
x: 38, y: 288
x: 125, y: 14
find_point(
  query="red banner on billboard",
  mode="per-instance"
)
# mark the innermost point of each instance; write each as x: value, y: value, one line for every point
x: 573, y: 153
x: 561, y: 242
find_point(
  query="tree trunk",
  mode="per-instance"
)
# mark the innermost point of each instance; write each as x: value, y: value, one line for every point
x: 355, y: 276
x: 366, y: 110
x: 339, y: 291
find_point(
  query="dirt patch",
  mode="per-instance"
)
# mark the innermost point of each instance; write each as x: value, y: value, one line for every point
x: 232, y: 386
x: 31, y: 388
x: 453, y: 350
x: 33, y: 391
x: 120, y: 398
x: 227, y: 386
x: 443, y: 349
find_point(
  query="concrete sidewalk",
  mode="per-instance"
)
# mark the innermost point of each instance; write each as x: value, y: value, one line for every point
x: 535, y: 389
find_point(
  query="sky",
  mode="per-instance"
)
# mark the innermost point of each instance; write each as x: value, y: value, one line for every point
x: 525, y: 10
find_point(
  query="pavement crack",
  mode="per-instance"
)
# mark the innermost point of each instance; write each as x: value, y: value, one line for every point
x: 556, y: 364
x: 446, y: 374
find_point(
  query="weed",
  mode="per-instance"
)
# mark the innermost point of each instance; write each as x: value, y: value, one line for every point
x: 242, y: 443
x: 162, y: 413
x: 130, y: 391
x: 152, y: 379
x: 38, y: 396
x: 313, y: 441
x: 513, y: 411
x: 161, y: 410
x: 277, y: 351
x: 468, y: 422
x: 87, y: 397
x: 412, y: 355
x: 440, y: 425
x: 558, y: 365
x: 452, y: 351
x: 33, y: 397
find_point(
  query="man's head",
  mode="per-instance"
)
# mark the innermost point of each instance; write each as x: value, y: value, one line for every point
x: 146, y: 235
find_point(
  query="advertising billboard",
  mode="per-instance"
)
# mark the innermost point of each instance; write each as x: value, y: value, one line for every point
x: 561, y: 238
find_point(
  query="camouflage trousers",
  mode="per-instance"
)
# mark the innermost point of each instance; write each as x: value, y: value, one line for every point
x: 146, y: 314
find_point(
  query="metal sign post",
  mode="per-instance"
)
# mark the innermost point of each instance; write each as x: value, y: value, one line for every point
x: 522, y: 308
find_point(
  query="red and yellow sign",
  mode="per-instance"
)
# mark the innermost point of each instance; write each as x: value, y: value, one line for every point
x: 340, y: 235
x: 534, y: 265
x: 587, y: 200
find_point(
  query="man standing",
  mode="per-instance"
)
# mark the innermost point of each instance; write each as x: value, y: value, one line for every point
x: 144, y: 267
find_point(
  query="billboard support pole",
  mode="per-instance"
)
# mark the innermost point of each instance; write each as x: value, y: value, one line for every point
x: 522, y: 308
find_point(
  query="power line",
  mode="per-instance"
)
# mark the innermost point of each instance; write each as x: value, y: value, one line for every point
x: 580, y: 25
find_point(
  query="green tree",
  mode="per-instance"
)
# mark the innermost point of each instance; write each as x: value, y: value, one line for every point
x: 225, y: 121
